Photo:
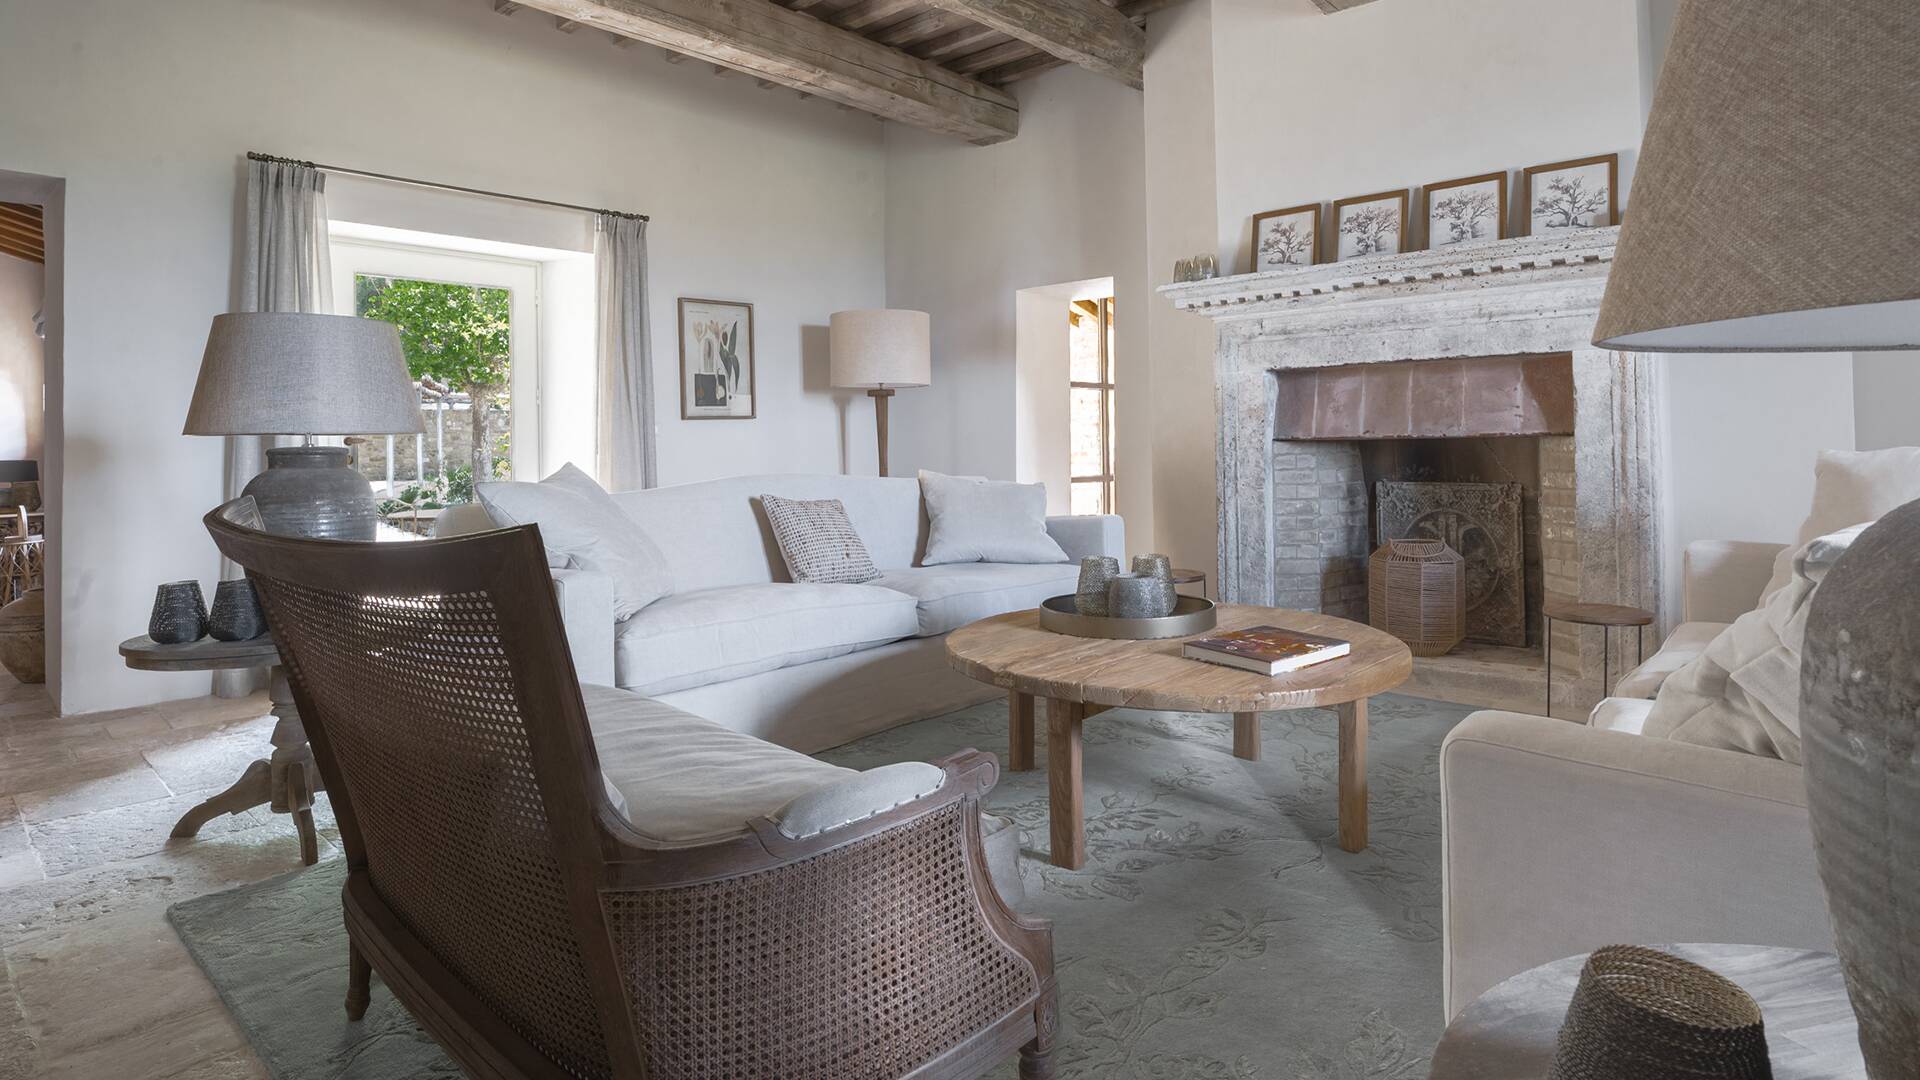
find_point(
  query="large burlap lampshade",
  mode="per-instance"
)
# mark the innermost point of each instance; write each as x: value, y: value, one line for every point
x: 1771, y: 213
x: 287, y: 373
x: 880, y: 350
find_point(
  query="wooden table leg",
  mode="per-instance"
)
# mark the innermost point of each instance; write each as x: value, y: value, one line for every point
x: 1019, y: 731
x: 1066, y: 800
x: 1353, y: 775
x: 1246, y: 736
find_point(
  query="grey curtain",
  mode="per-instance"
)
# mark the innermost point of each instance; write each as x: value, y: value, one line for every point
x: 627, y: 455
x: 284, y: 266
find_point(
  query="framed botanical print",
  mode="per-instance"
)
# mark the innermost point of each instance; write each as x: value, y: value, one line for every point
x: 1369, y: 225
x: 716, y: 360
x: 1283, y: 238
x: 1471, y: 208
x: 1579, y: 194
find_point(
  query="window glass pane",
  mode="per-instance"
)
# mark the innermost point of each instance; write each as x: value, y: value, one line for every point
x: 1110, y: 340
x: 1088, y: 405
x: 1089, y: 497
x: 458, y: 346
x: 1083, y: 344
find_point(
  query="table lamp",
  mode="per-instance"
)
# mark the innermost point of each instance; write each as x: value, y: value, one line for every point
x: 1760, y: 223
x: 880, y: 350
x: 285, y: 373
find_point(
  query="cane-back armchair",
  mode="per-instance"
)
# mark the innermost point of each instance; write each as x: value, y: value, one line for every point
x: 525, y: 892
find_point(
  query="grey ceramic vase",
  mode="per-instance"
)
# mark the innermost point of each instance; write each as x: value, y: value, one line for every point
x: 1090, y: 596
x: 1131, y: 596
x: 179, y: 613
x: 1860, y: 738
x: 236, y: 614
x: 314, y: 491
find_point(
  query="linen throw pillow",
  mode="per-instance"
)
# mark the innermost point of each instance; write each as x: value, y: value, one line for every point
x: 580, y: 523
x: 818, y: 540
x: 1850, y: 486
x: 974, y: 520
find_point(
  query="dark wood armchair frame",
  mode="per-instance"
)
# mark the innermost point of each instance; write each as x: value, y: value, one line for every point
x: 607, y: 869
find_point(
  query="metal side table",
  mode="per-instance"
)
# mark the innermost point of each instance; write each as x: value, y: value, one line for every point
x: 1606, y: 617
x: 287, y: 780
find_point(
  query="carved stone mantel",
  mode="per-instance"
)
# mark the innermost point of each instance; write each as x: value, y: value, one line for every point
x: 1538, y: 294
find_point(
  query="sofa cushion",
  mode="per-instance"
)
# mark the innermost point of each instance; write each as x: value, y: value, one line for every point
x: 817, y: 541
x: 686, y: 780
x: 974, y: 520
x: 579, y: 522
x: 1687, y: 641
x: 1849, y: 487
x: 714, y: 635
x: 954, y: 595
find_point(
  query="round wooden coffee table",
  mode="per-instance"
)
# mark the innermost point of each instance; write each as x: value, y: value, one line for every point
x: 1081, y: 677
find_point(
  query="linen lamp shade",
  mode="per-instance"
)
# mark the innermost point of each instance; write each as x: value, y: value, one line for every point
x: 1769, y: 209
x: 880, y: 348
x: 1770, y: 214
x: 286, y: 373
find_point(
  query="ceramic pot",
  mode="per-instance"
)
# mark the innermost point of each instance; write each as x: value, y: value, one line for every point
x: 236, y: 612
x: 23, y: 636
x: 313, y: 491
x: 1131, y: 596
x: 1090, y: 596
x: 179, y: 614
x: 1860, y: 738
x: 1159, y: 568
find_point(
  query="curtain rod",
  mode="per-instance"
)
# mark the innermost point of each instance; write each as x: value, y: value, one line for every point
x: 256, y: 156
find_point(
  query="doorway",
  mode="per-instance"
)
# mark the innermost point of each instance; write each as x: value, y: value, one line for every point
x: 1064, y: 394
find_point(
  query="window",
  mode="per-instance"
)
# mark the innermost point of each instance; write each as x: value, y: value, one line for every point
x: 1090, y: 435
x: 467, y: 325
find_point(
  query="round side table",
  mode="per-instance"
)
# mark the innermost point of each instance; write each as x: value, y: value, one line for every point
x: 1510, y: 1031
x: 1606, y: 617
x: 286, y: 781
x: 1190, y: 577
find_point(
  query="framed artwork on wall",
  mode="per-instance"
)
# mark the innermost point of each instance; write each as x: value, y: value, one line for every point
x: 716, y: 360
x: 1578, y: 194
x: 1470, y: 208
x: 1289, y: 237
x: 1370, y: 225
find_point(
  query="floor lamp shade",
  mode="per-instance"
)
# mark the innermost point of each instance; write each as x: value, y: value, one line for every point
x: 1768, y: 210
x: 1769, y: 215
x: 286, y: 373
x: 877, y: 350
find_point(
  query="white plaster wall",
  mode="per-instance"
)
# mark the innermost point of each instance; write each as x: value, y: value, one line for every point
x: 1886, y: 399
x: 146, y: 110
x: 969, y: 227
x: 22, y: 359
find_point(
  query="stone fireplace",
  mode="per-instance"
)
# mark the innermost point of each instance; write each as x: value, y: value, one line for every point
x: 1453, y: 382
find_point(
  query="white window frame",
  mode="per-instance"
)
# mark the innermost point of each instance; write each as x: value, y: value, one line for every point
x: 520, y: 277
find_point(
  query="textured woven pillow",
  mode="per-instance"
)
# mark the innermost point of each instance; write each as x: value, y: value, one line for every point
x: 818, y: 541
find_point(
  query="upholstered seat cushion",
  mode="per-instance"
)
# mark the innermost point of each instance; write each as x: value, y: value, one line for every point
x: 1687, y: 641
x: 714, y: 635
x: 952, y: 595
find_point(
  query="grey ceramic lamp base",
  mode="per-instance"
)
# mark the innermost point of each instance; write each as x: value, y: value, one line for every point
x: 314, y: 491
x: 1860, y: 735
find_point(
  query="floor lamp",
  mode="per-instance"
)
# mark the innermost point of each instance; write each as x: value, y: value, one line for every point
x: 1776, y: 128
x: 879, y: 351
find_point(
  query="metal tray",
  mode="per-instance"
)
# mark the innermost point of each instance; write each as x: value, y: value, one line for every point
x: 1191, y: 615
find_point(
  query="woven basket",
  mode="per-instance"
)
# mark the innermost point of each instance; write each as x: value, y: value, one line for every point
x: 1640, y: 1014
x: 1417, y: 591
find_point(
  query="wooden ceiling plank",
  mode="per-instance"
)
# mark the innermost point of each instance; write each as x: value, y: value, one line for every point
x: 918, y: 28
x: 993, y: 56
x: 805, y: 53
x: 29, y: 252
x: 968, y: 38
x: 1335, y: 7
x: 1020, y: 69
x: 865, y: 13
x: 1083, y: 32
x: 22, y: 234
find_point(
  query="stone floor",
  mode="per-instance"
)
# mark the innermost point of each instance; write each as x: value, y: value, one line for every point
x: 93, y: 981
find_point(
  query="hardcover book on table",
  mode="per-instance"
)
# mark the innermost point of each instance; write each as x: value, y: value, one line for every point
x: 1268, y: 650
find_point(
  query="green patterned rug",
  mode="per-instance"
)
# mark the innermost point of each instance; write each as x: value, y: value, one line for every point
x: 1217, y: 931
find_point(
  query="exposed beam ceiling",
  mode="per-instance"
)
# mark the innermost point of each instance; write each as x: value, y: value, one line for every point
x: 1084, y: 32
x: 21, y: 232
x: 800, y: 51
x: 1335, y: 7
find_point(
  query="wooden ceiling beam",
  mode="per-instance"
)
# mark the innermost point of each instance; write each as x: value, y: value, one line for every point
x: 22, y: 251
x: 1083, y: 32
x: 1023, y: 68
x: 1335, y: 7
x: 865, y: 13
x: 993, y: 56
x: 968, y: 38
x: 805, y: 53
x: 927, y: 24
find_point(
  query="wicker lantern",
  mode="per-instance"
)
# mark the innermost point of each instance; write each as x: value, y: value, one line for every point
x: 1417, y: 591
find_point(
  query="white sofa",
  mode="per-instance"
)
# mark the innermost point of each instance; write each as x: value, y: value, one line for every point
x: 1557, y: 838
x: 806, y: 666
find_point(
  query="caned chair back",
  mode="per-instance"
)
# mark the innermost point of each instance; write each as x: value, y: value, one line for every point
x: 436, y: 687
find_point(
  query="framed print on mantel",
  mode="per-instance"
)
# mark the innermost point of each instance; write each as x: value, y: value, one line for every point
x: 716, y: 360
x: 1369, y: 225
x: 1578, y: 194
x: 1470, y: 208
x: 1283, y: 238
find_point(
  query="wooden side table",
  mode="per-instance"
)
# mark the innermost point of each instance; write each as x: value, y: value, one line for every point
x: 285, y: 781
x: 1190, y: 577
x: 1605, y: 616
x: 1509, y: 1033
